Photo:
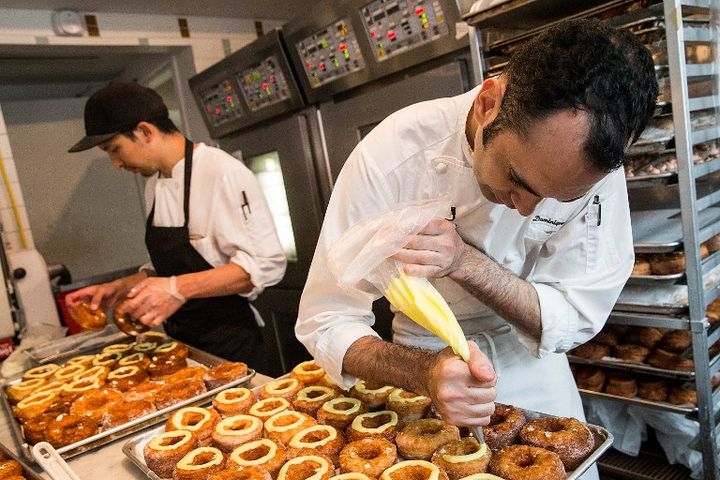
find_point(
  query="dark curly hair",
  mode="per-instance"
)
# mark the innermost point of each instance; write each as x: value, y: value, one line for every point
x: 582, y: 65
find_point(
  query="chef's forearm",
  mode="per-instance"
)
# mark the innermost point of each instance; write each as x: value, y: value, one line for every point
x: 385, y: 363
x: 230, y: 279
x: 511, y: 297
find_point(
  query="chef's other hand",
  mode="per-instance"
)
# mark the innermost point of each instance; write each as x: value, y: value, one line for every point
x: 99, y: 296
x: 463, y: 393
x: 153, y: 301
x: 434, y: 252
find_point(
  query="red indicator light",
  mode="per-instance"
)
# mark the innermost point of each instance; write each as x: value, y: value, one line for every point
x: 271, y: 79
x: 229, y: 98
x: 309, y: 65
x: 217, y: 111
x: 373, y: 34
x: 265, y: 86
x: 391, y: 35
x: 419, y: 10
x: 322, y: 67
x: 343, y: 47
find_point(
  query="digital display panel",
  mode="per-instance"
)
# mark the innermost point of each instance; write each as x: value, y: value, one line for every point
x: 221, y: 103
x: 264, y: 84
x: 394, y: 26
x: 330, y: 53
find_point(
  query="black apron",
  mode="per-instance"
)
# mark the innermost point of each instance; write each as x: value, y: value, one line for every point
x: 224, y: 326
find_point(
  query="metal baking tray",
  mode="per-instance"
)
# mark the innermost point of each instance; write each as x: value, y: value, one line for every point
x: 74, y: 345
x: 134, y: 447
x: 660, y: 231
x: 666, y: 406
x: 195, y: 357
x: 655, y: 279
x: 660, y: 309
x: 618, y: 364
x: 28, y: 472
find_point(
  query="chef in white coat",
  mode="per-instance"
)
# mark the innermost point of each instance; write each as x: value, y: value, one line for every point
x: 540, y: 246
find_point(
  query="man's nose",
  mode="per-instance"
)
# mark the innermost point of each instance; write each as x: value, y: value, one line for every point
x: 524, y: 204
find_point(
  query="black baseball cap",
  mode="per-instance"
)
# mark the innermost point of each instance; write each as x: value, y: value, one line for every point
x: 118, y: 108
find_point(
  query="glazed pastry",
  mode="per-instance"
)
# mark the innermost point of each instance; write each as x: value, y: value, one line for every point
x: 234, y: 431
x: 200, y: 421
x: 233, y: 401
x: 408, y: 405
x: 383, y: 423
x: 200, y: 463
x: 165, y: 450
x: 260, y: 453
x: 419, y: 439
x: 308, y: 373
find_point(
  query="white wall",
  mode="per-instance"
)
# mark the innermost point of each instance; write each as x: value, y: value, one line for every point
x: 211, y: 39
x: 10, y: 225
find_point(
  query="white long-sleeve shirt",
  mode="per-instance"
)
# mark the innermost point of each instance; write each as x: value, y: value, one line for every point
x: 222, y: 230
x: 576, y: 262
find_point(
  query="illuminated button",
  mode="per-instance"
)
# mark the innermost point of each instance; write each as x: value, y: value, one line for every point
x: 441, y: 167
x: 419, y: 10
x: 391, y: 35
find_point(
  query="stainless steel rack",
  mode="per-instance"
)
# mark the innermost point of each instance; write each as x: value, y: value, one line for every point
x: 689, y: 210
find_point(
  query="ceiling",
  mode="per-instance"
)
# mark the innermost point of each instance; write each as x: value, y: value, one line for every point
x: 249, y: 9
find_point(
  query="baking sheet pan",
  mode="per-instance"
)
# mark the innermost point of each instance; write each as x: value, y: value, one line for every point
x: 662, y: 309
x: 134, y: 447
x: 665, y: 406
x: 74, y: 345
x: 618, y: 364
x: 195, y: 357
x: 651, y: 280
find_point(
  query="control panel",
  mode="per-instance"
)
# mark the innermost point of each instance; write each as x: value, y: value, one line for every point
x: 330, y: 53
x: 263, y: 84
x: 394, y: 26
x: 221, y: 103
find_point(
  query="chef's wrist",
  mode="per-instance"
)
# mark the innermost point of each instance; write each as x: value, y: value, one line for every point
x: 465, y: 263
x: 182, y: 287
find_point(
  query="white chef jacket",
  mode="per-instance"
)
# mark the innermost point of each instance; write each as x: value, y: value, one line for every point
x: 222, y: 230
x: 576, y: 261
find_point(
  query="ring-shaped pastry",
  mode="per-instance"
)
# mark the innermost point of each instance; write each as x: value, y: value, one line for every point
x: 285, y: 388
x: 382, y: 423
x: 419, y: 439
x: 462, y: 458
x: 234, y: 401
x: 310, y: 399
x: 307, y: 467
x: 234, y: 431
x: 199, y: 463
x: 260, y: 453
x: 370, y: 456
x: 523, y: 462
x: 264, y: 409
x: 165, y: 450
x: 283, y: 426
x: 339, y: 412
x: 308, y: 372
x: 415, y: 469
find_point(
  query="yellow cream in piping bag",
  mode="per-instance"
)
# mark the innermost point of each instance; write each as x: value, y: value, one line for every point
x: 418, y: 299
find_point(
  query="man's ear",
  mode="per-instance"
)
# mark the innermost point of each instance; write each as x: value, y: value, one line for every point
x: 146, y: 130
x: 488, y: 100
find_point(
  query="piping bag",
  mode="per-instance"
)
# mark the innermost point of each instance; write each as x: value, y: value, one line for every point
x: 417, y: 298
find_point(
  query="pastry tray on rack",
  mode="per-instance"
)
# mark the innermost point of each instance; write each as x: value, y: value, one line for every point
x: 195, y: 357
x: 73, y: 345
x: 660, y: 231
x: 651, y: 280
x: 660, y: 309
x: 632, y: 367
x: 134, y: 447
x: 666, y: 406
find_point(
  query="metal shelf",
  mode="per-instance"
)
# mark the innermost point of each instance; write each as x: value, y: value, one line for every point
x: 702, y: 103
x: 706, y: 168
x: 699, y: 70
x: 641, y: 402
x: 697, y: 34
x: 649, y: 320
x: 705, y: 135
x: 633, y: 367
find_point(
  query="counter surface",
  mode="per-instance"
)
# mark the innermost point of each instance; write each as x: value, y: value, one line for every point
x: 107, y: 461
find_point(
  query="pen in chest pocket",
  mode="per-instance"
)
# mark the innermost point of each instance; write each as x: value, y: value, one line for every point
x: 596, y: 201
x: 245, y: 207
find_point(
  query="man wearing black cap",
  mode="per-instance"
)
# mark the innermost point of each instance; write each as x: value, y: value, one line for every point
x: 210, y: 252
